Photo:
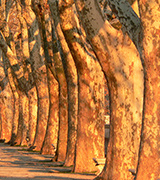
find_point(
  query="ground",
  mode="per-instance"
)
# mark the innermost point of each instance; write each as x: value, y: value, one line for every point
x: 16, y: 163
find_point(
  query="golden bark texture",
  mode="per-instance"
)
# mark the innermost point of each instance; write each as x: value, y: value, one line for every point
x: 72, y: 86
x: 90, y: 130
x: 149, y: 157
x: 39, y: 74
x: 122, y: 67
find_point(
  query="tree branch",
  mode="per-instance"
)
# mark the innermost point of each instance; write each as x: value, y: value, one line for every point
x: 131, y: 23
x: 18, y: 71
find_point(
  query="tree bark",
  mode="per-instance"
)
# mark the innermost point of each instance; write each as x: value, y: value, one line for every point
x: 32, y: 94
x: 15, y: 104
x: 63, y: 102
x: 72, y: 86
x: 20, y: 131
x: 129, y: 19
x: 90, y: 131
x: 122, y: 70
x: 148, y: 165
x: 16, y: 69
x: 51, y: 137
x: 7, y: 53
x: 6, y: 97
x: 39, y: 74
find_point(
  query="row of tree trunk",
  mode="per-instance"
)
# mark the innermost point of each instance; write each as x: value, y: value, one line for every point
x: 56, y: 58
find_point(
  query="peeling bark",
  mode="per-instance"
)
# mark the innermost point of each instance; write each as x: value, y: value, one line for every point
x: 72, y: 86
x: 122, y: 67
x: 63, y: 102
x: 90, y: 131
x: 15, y: 105
x: 148, y: 165
x: 51, y: 137
x: 39, y: 75
x: 6, y: 97
x: 32, y: 94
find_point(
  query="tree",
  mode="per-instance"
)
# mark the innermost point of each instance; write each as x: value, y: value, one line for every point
x: 9, y: 51
x: 53, y: 58
x: 72, y: 85
x: 90, y: 130
x: 6, y: 107
x: 42, y: 13
x: 15, y: 102
x: 122, y: 67
x: 148, y: 165
x: 32, y: 94
x: 63, y: 102
x: 39, y: 74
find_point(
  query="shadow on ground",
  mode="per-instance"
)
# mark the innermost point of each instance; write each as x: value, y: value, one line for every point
x: 16, y: 163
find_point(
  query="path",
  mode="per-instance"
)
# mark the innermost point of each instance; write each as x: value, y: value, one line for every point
x: 18, y: 164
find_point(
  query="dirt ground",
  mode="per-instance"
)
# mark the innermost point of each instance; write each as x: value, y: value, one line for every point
x: 16, y: 163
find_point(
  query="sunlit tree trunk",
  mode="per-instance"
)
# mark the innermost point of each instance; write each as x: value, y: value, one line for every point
x: 122, y: 67
x: 20, y: 119
x: 32, y: 95
x: 146, y: 9
x: 5, y: 29
x: 72, y: 86
x: 51, y: 137
x: 15, y: 104
x: 23, y: 99
x: 25, y: 116
x: 39, y: 74
x: 10, y: 63
x: 31, y: 115
x: 6, y: 97
x: 90, y: 131
x: 63, y: 102
x: 7, y: 103
x: 149, y: 164
x: 17, y: 70
x: 3, y: 119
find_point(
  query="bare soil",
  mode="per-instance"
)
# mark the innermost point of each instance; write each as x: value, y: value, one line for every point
x: 16, y: 163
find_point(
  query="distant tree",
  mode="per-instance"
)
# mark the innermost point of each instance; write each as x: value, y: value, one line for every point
x: 32, y: 94
x: 72, y: 85
x: 45, y: 26
x: 39, y: 72
x: 6, y: 105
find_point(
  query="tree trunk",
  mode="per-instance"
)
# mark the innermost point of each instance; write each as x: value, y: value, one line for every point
x: 6, y: 103
x: 148, y: 165
x: 51, y: 137
x: 25, y: 112
x: 6, y: 113
x: 23, y: 99
x: 9, y: 63
x: 3, y: 120
x: 32, y: 94
x: 90, y: 132
x: 18, y: 139
x: 63, y: 102
x: 121, y: 64
x: 39, y: 74
x: 15, y: 105
x: 72, y: 87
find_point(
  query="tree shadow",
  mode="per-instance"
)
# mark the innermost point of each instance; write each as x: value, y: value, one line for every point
x: 36, y: 163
